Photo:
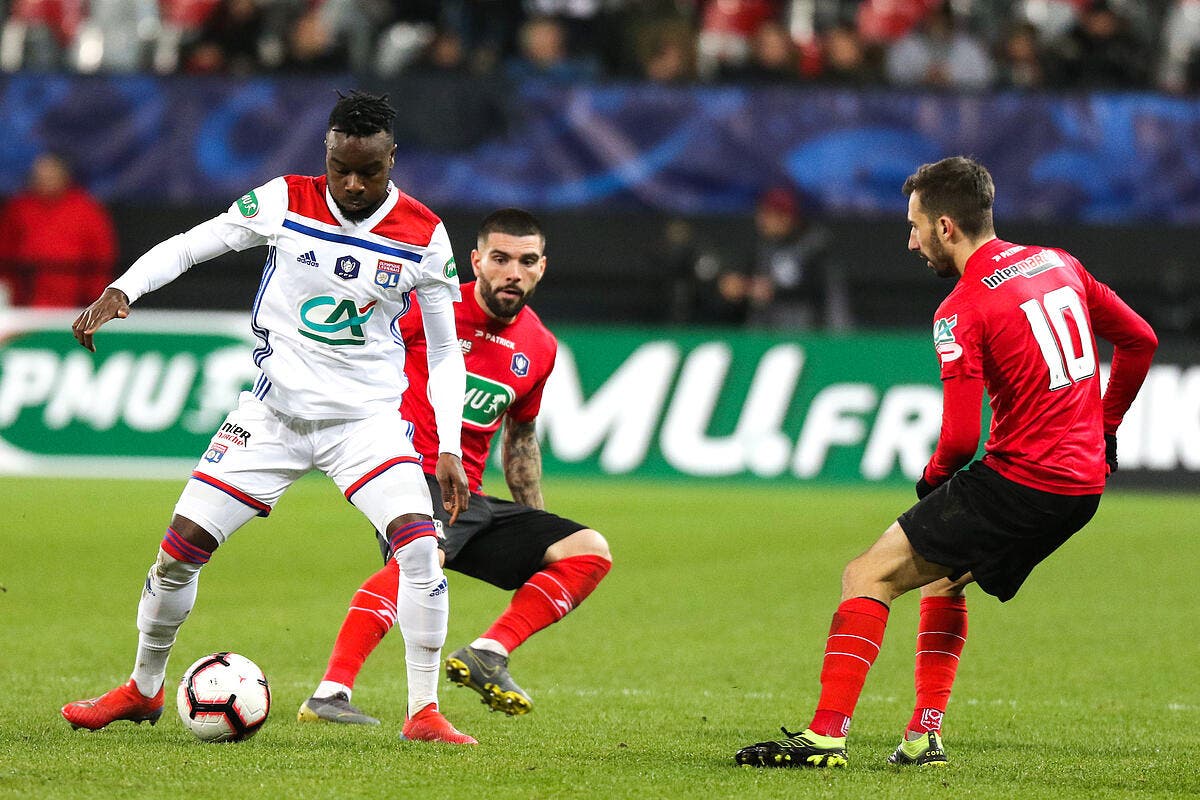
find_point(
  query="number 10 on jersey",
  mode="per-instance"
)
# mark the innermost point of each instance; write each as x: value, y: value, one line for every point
x: 1068, y: 358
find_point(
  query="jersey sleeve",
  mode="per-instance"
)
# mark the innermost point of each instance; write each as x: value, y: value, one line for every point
x: 958, y: 342
x: 1134, y: 343
x: 528, y: 407
x: 438, y: 274
x: 255, y: 216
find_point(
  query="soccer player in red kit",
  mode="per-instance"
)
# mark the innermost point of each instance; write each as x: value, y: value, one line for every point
x: 1021, y: 323
x: 551, y: 562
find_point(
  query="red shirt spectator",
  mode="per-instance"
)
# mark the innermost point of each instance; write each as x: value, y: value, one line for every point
x: 57, y: 243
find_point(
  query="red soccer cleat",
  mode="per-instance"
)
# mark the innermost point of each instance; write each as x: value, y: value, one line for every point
x: 123, y: 702
x: 430, y: 726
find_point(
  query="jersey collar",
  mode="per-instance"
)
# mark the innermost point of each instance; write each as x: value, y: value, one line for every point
x: 385, y: 208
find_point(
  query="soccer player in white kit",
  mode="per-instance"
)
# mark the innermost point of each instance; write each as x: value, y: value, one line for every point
x: 346, y: 248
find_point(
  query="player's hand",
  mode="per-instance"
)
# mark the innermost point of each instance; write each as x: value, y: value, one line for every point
x: 453, y: 479
x: 924, y: 488
x: 112, y: 304
x: 1110, y: 452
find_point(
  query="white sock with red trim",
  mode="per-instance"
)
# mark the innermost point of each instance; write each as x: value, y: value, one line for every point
x: 422, y: 614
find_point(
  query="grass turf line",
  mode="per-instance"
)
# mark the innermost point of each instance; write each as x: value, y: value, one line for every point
x: 706, y: 637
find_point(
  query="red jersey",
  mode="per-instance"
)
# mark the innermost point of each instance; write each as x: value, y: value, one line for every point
x: 507, y: 368
x: 1022, y: 322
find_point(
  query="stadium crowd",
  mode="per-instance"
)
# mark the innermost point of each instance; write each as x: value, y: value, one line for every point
x: 953, y: 44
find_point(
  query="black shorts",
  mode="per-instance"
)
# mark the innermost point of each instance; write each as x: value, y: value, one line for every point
x: 494, y: 540
x: 998, y: 530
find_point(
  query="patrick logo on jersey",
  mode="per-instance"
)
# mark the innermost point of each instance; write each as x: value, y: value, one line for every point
x: 332, y: 321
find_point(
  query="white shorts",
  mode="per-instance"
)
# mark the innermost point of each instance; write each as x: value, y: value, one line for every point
x: 258, y: 452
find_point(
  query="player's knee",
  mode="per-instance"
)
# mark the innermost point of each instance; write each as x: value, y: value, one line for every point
x: 418, y: 561
x: 586, y: 542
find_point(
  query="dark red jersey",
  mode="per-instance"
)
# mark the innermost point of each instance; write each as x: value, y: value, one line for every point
x: 1022, y: 322
x: 507, y: 368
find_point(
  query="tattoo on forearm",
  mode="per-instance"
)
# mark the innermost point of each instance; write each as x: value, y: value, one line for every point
x: 522, y: 458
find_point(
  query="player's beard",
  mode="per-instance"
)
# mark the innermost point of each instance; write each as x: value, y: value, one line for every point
x: 939, y: 260
x: 501, y: 305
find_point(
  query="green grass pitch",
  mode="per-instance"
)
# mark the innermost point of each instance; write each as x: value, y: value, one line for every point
x: 706, y: 636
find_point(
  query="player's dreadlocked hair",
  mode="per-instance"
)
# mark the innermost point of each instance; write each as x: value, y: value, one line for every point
x: 511, y: 221
x: 961, y: 188
x: 362, y: 114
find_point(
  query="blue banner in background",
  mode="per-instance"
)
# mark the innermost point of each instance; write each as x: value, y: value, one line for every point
x: 1099, y: 158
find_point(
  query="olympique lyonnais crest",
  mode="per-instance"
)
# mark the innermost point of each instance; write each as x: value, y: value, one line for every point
x: 387, y: 273
x: 215, y: 453
x: 520, y: 365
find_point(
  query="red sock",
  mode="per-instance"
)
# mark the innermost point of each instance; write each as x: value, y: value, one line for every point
x: 547, y: 597
x: 372, y: 614
x: 940, y: 638
x: 854, y: 639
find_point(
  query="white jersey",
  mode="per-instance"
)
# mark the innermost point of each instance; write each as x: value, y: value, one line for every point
x: 331, y: 291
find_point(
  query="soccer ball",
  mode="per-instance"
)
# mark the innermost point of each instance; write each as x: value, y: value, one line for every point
x: 223, y: 697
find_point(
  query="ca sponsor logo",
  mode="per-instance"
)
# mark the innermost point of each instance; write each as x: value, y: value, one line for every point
x: 331, y: 321
x: 943, y: 329
x: 247, y: 204
x: 485, y: 401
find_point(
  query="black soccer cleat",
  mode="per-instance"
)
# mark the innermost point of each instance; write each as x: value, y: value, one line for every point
x: 487, y: 673
x: 926, y: 751
x: 805, y: 749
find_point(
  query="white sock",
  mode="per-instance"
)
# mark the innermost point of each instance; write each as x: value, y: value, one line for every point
x: 491, y: 645
x: 422, y: 614
x: 167, y: 599
x: 330, y: 688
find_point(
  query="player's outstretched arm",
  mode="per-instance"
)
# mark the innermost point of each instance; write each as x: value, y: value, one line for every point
x: 452, y: 478
x: 111, y: 304
x: 522, y: 459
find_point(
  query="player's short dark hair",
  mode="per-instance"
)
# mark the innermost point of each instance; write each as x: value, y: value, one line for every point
x: 362, y: 114
x: 957, y: 187
x: 511, y: 221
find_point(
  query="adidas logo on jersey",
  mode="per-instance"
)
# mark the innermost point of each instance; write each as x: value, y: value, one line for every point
x: 309, y: 259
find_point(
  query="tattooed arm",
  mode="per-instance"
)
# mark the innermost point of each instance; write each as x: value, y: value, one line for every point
x: 522, y: 458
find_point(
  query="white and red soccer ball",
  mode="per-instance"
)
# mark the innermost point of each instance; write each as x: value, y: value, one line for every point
x: 223, y: 697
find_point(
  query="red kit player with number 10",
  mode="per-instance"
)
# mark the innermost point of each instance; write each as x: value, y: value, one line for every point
x: 1021, y: 323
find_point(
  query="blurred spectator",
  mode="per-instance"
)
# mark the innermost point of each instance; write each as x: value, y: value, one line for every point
x: 791, y: 284
x: 667, y: 54
x: 1177, y: 70
x: 37, y: 33
x: 543, y: 53
x: 886, y: 21
x: 1022, y: 62
x: 1052, y: 18
x: 695, y: 272
x: 312, y: 45
x: 846, y: 59
x: 57, y: 243
x: 117, y: 36
x: 939, y: 53
x: 1101, y: 51
x: 726, y: 30
x: 488, y: 29
x: 773, y: 58
x: 229, y: 40
x: 444, y: 55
